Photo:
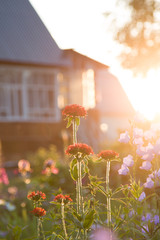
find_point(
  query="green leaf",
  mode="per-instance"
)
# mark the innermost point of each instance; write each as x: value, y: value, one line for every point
x: 74, y: 170
x: 89, y: 218
x: 69, y: 122
x: 77, y: 119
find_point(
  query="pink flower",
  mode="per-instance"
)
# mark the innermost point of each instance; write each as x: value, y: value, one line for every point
x: 49, y: 167
x: 103, y: 234
x: 124, y: 137
x: 123, y: 170
x: 24, y: 166
x: 3, y: 176
x: 146, y: 165
x: 128, y: 161
x: 149, y: 183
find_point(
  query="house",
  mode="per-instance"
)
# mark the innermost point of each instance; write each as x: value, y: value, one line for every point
x: 37, y: 79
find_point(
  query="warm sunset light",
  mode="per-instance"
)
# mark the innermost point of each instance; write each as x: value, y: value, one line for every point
x: 142, y: 92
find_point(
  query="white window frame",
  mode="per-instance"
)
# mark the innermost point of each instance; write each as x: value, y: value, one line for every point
x: 12, y: 106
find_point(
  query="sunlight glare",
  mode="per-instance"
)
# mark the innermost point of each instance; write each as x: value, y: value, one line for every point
x: 144, y: 93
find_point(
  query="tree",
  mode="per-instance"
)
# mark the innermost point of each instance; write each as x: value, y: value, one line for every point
x: 140, y: 36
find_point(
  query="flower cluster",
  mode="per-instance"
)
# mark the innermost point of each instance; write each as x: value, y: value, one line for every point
x: 49, y: 167
x: 36, y: 196
x: 3, y: 176
x: 77, y: 148
x: 24, y: 166
x: 127, y: 162
x: 39, y: 212
x: 108, y: 154
x: 74, y: 110
x: 61, y: 197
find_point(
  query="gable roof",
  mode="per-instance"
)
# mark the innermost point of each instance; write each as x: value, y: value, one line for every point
x: 24, y: 38
x: 114, y: 101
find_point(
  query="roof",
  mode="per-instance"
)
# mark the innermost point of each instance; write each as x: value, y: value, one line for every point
x: 24, y: 38
x: 86, y: 58
x: 113, y: 99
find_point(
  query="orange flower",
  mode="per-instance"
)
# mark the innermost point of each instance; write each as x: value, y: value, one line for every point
x: 67, y: 197
x: 74, y: 110
x: 36, y: 196
x: 108, y: 154
x: 79, y: 148
x: 59, y: 197
x: 38, y: 212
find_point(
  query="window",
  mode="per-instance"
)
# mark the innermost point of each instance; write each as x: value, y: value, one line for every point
x: 30, y: 97
x: 88, y: 86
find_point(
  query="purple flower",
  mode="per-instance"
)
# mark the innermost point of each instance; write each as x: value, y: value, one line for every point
x: 148, y: 157
x: 148, y: 216
x: 143, y: 218
x: 128, y: 161
x: 140, y: 150
x: 156, y: 219
x: 123, y: 170
x: 146, y: 227
x: 149, y: 183
x: 137, y: 132
x: 142, y: 196
x: 157, y: 147
x: 138, y: 141
x: 146, y: 165
x: 148, y: 135
x: 124, y: 137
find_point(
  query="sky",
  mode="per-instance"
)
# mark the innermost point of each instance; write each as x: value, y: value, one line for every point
x: 82, y: 25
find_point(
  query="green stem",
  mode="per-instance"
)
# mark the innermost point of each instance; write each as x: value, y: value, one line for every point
x: 41, y: 225
x: 38, y: 228
x: 108, y: 197
x: 63, y: 220
x: 79, y: 184
x: 74, y: 132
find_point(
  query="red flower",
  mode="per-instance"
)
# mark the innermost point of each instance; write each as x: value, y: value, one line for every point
x: 36, y: 196
x: 79, y: 148
x: 74, y: 110
x: 38, y: 212
x: 67, y: 197
x: 108, y: 154
x: 59, y: 197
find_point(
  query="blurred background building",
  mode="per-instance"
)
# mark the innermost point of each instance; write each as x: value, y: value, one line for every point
x: 38, y: 79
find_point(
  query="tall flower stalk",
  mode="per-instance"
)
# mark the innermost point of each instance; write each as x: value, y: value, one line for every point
x: 108, y: 194
x: 73, y: 113
x: 108, y: 156
x: 79, y: 151
x: 62, y: 199
x: 37, y: 198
